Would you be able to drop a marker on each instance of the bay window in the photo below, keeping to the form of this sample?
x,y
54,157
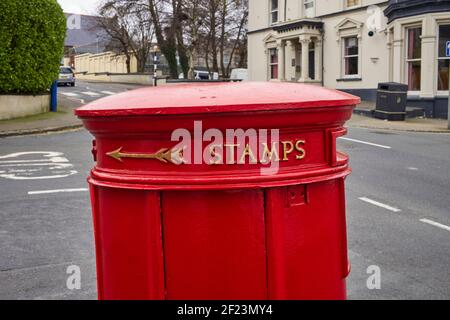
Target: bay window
x,y
414,58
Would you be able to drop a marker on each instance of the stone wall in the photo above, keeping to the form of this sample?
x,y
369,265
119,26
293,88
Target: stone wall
x,y
16,106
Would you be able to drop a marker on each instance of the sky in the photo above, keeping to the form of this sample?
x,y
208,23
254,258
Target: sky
x,y
79,6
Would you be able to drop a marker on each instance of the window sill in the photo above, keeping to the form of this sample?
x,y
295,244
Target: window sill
x,y
349,79
352,7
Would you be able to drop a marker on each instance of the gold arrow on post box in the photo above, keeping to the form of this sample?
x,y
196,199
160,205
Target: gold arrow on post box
x,y
163,155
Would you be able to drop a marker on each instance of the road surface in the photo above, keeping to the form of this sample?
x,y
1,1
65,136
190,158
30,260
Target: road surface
x,y
85,92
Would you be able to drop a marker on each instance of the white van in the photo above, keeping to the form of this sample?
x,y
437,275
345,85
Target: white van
x,y
202,75
239,75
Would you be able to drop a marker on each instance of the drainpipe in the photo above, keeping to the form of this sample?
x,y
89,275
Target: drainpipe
x,y
54,97
323,62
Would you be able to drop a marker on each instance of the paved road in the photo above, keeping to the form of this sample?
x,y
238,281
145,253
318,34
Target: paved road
x,y
401,177
85,92
412,181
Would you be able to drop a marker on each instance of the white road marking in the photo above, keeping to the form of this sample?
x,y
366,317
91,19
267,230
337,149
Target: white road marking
x,y
413,168
57,191
91,94
51,165
367,143
77,100
70,94
55,165
47,154
15,177
108,92
379,204
436,224
34,161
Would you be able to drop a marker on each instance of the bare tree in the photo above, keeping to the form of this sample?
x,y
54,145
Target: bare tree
x,y
226,33
233,22
190,35
129,26
165,32
213,7
184,30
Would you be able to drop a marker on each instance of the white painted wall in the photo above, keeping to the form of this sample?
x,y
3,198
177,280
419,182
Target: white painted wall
x,y
373,50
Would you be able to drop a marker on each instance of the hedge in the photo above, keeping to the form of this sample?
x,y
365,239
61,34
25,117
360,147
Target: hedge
x,y
32,34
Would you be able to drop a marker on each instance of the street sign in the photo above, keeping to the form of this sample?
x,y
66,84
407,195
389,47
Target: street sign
x,y
447,49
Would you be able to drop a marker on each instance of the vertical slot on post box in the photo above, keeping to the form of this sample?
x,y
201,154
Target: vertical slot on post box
x,y
335,159
94,149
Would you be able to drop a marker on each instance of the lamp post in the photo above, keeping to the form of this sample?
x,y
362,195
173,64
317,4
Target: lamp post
x,y
447,53
155,66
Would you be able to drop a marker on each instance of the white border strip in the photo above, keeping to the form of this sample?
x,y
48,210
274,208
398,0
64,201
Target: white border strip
x,y
57,191
436,224
367,143
379,204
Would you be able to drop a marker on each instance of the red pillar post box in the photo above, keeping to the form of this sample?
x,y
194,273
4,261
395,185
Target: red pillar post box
x,y
184,209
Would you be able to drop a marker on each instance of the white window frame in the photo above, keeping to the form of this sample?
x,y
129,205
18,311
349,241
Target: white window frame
x,y
344,57
272,11
407,61
308,2
440,92
346,6
270,64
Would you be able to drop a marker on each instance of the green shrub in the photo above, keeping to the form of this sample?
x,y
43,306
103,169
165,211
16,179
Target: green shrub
x,y
32,34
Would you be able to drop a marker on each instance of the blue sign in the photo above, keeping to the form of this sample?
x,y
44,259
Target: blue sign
x,y
447,49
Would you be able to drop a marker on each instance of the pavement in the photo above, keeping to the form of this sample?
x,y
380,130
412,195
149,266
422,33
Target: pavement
x,y
397,214
70,98
419,124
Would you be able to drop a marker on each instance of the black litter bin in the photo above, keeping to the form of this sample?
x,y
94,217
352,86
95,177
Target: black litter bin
x,y
391,101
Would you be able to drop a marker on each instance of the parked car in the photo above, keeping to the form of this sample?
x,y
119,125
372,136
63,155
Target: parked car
x,y
239,75
66,76
203,75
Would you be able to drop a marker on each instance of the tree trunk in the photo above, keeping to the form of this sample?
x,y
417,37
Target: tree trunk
x,y
128,62
170,54
168,44
213,35
192,58
237,43
222,37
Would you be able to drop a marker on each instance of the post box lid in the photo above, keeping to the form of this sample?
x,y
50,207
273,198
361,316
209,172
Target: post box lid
x,y
216,98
